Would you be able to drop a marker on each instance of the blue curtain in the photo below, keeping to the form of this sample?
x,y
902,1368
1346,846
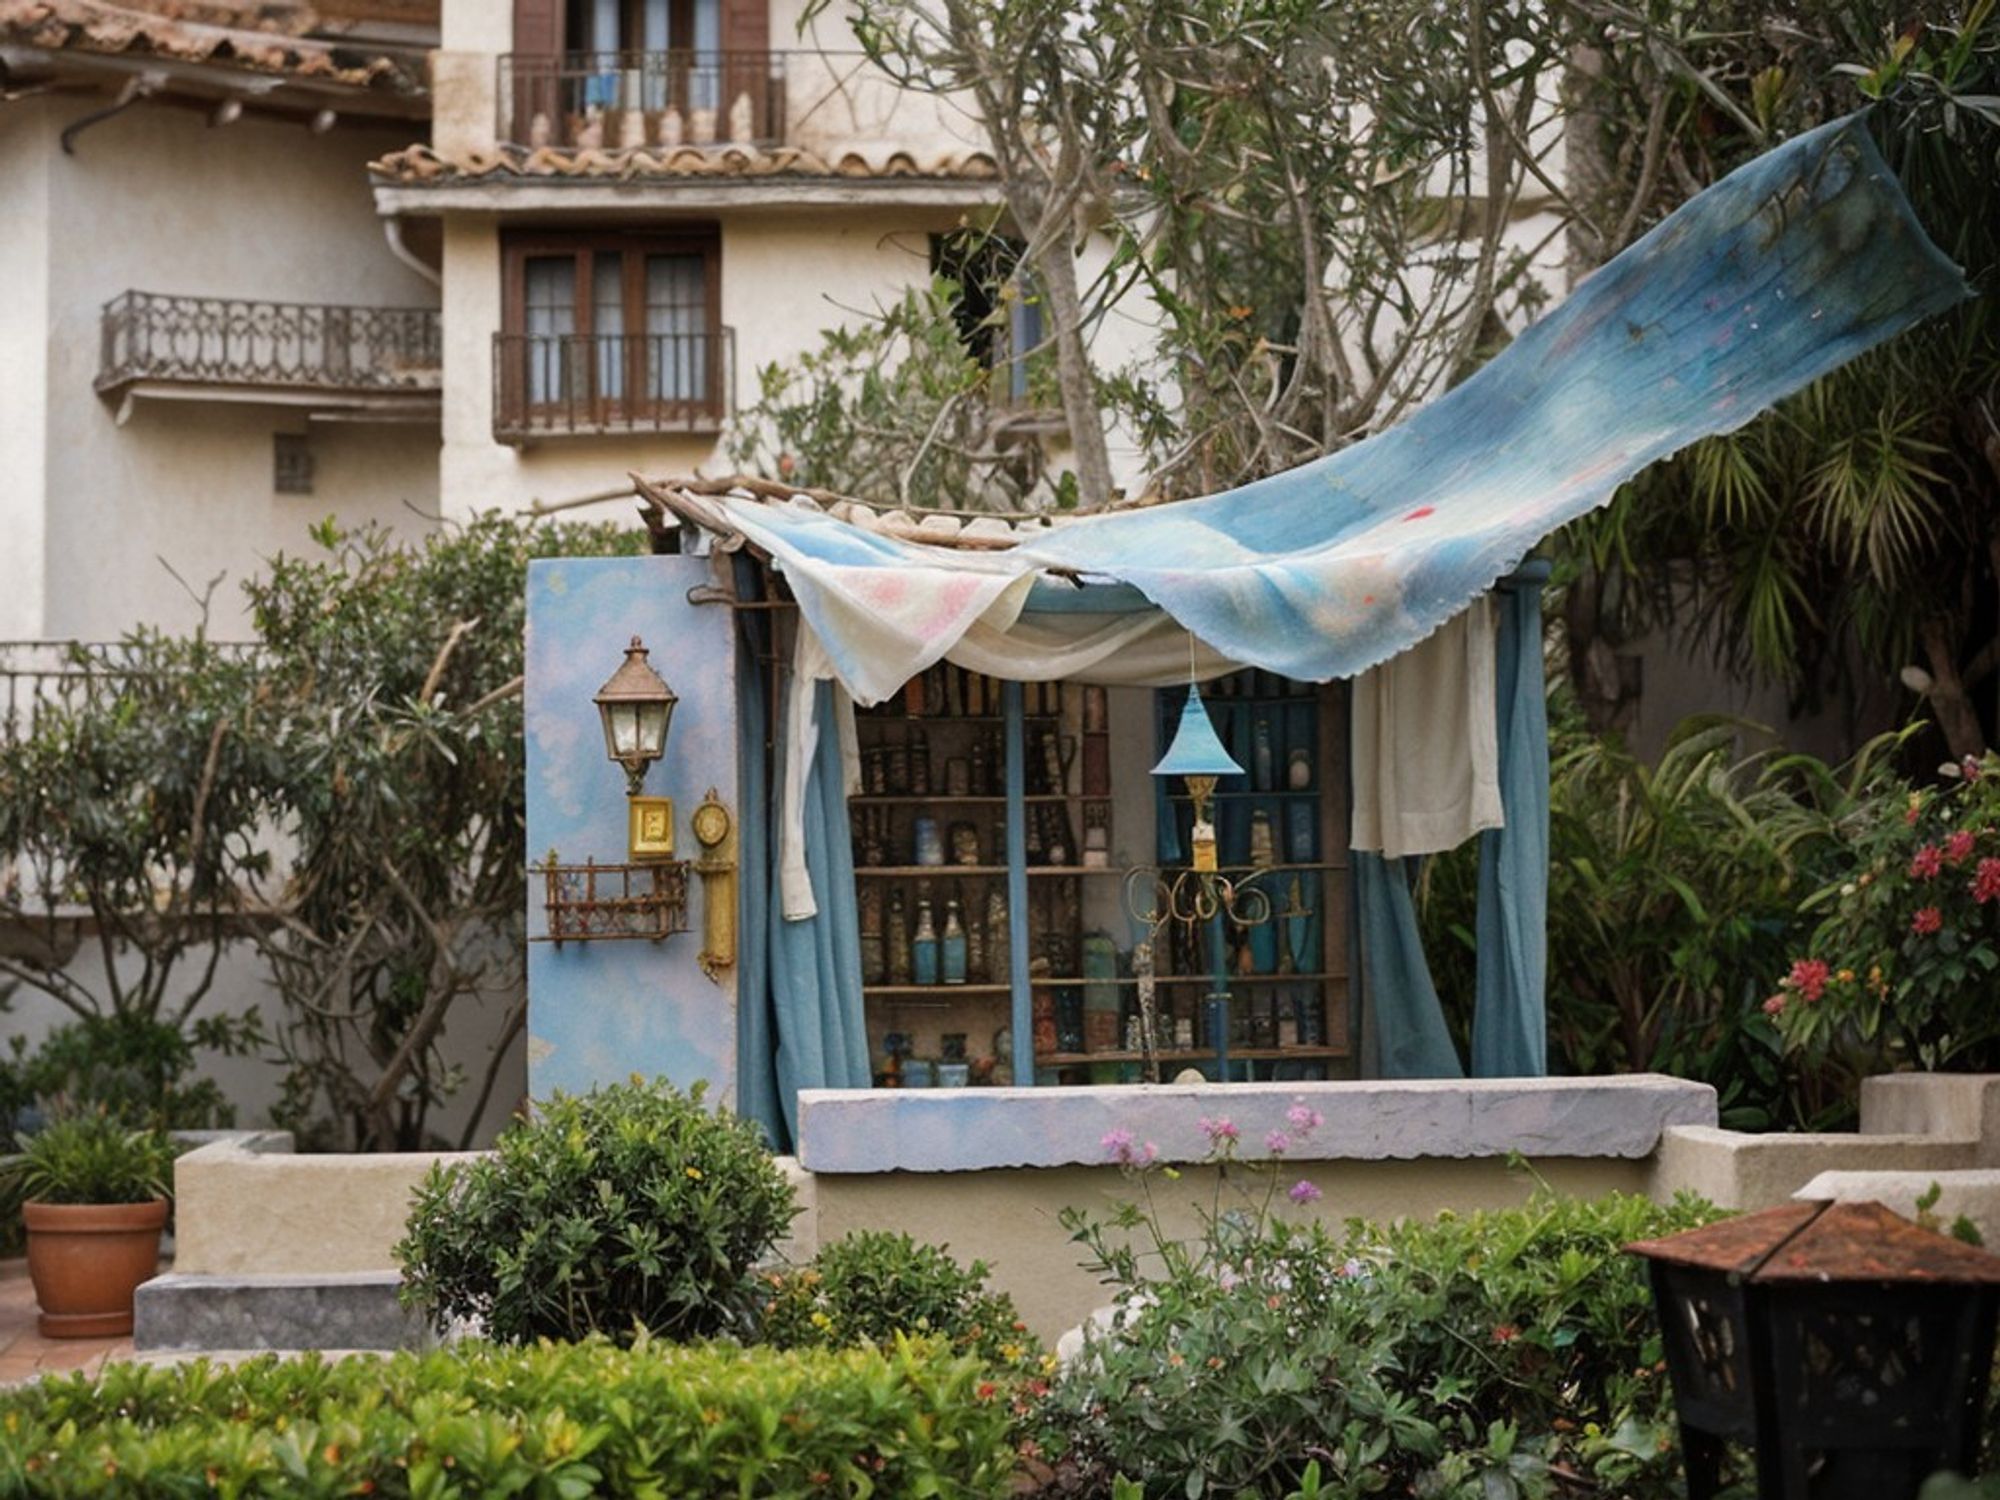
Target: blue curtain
x,y
1405,1022
1510,1030
799,1015
757,861
815,964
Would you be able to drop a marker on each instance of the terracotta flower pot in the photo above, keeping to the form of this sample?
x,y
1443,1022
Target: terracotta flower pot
x,y
87,1259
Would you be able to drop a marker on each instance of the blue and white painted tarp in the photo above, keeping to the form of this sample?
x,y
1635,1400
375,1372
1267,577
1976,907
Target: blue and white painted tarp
x,y
1786,269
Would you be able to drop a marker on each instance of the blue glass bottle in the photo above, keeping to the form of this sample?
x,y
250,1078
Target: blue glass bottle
x,y
924,948
951,948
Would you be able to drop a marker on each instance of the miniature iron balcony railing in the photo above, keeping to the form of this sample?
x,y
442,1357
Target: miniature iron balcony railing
x,y
613,100
228,343
547,385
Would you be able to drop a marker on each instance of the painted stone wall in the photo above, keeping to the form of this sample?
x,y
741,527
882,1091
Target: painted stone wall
x,y
600,1011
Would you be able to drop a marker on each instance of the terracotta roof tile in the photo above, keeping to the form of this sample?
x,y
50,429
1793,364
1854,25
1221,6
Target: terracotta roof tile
x,y
421,165
263,38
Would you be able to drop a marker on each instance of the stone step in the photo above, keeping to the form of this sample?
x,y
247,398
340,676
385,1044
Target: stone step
x,y
333,1310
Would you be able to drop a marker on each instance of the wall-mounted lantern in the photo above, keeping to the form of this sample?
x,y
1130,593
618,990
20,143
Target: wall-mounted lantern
x,y
637,708
1847,1346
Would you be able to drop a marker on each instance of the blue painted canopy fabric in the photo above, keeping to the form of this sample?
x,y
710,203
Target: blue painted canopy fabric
x,y
1786,269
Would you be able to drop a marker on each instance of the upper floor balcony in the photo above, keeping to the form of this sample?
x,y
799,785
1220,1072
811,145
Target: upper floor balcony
x,y
625,100
573,384
382,363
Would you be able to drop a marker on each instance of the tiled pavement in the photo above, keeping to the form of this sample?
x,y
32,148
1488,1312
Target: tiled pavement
x,y
24,1353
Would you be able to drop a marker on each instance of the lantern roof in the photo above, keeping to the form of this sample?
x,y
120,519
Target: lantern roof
x,y
635,681
1820,1242
1196,751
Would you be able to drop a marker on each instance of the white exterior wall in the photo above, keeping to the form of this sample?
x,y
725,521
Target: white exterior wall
x,y
27,144
156,200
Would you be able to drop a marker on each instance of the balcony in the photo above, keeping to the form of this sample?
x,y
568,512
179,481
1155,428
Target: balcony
x,y
613,100
562,385
358,363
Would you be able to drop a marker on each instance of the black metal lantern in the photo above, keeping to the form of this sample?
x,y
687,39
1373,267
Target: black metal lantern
x,y
636,706
1849,1347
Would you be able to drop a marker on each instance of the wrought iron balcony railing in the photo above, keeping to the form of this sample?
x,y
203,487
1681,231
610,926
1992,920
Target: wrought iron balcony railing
x,y
548,385
225,342
583,100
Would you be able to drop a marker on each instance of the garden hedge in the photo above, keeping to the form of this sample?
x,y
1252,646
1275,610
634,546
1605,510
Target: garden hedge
x,y
564,1421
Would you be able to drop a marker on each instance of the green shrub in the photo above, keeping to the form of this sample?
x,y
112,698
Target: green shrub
x,y
137,1069
1466,1356
873,1286
628,1207
554,1420
93,1158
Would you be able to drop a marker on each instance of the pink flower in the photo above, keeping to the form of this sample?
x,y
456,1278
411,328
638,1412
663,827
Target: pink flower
x,y
1219,1130
1277,1143
1303,1192
1927,920
1926,862
1986,881
1958,848
1123,1147
1774,1006
1970,767
1303,1118
1809,977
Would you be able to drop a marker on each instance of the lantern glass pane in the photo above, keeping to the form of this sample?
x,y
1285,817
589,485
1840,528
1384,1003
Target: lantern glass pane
x,y
622,723
651,730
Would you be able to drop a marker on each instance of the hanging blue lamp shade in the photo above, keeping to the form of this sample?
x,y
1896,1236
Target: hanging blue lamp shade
x,y
1196,750
1197,754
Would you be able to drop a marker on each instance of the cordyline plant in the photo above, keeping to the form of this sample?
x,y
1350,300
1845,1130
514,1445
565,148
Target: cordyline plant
x,y
1901,970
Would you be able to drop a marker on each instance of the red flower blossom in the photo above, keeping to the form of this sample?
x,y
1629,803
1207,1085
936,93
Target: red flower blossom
x,y
1958,848
1505,1333
1809,977
1926,862
1986,881
1775,1005
1927,920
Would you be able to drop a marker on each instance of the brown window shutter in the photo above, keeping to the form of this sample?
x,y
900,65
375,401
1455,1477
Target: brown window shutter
x,y
746,25
538,27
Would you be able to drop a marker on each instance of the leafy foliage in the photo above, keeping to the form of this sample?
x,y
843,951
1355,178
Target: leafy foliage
x,y
1469,1356
875,1286
1674,891
560,1420
396,670
374,736
1900,968
136,798
628,1208
90,1157
136,1070
1856,524
896,409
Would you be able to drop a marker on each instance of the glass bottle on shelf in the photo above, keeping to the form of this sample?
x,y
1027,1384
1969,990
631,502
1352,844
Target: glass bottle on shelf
x,y
920,763
951,947
896,939
999,944
924,947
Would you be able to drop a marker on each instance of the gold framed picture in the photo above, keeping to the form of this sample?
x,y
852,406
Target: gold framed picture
x,y
651,834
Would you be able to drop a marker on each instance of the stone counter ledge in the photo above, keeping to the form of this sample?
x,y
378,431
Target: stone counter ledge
x,y
970,1130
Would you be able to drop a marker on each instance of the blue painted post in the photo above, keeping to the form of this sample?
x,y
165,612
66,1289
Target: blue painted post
x,y
1017,885
1218,999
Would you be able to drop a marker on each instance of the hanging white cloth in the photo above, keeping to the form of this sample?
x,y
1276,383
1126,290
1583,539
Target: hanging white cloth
x,y
810,667
1426,754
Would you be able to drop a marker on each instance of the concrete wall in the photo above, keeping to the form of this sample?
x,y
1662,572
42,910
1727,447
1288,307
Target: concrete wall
x,y
27,156
162,202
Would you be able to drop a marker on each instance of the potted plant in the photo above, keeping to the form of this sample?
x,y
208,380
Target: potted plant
x,y
94,1200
